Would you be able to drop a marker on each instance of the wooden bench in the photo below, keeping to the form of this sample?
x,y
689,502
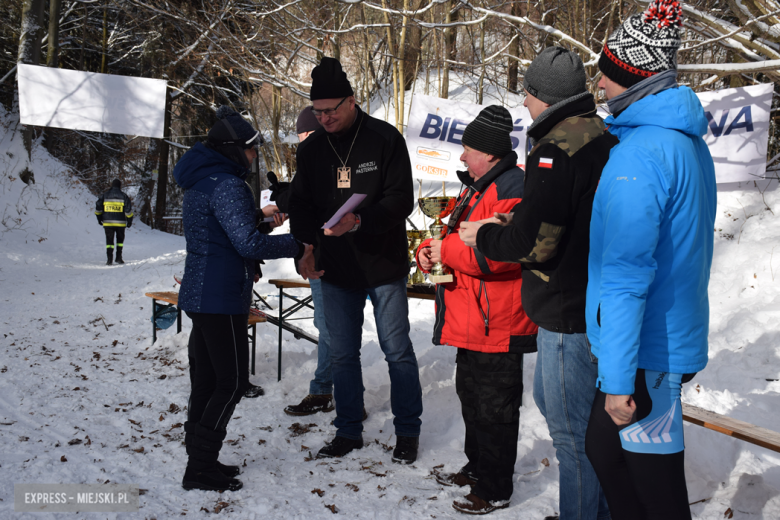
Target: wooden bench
x,y
172,299
282,321
732,427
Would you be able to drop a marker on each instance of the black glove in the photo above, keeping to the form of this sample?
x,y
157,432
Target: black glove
x,y
100,219
279,192
129,222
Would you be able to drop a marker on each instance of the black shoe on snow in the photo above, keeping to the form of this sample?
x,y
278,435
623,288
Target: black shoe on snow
x,y
473,505
311,404
254,391
228,471
209,480
405,451
109,261
339,447
119,260
459,479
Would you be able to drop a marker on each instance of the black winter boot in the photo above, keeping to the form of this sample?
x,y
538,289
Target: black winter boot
x,y
110,255
202,471
119,256
405,451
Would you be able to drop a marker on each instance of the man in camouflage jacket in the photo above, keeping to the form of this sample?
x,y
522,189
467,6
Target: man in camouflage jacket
x,y
548,232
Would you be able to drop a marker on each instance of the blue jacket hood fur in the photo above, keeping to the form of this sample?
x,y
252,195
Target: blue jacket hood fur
x,y
222,242
651,243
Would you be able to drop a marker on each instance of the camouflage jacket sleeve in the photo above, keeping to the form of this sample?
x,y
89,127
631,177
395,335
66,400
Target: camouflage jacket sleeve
x,y
538,223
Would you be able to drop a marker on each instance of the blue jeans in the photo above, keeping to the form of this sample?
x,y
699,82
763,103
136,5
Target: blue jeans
x,y
344,312
322,384
564,390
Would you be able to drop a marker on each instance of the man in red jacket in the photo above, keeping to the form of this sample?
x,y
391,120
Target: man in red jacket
x,y
480,313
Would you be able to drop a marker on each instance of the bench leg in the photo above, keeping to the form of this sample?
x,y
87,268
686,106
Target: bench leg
x,y
178,319
254,344
154,325
281,307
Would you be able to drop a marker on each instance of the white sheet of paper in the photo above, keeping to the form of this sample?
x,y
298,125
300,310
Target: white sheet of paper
x,y
265,198
348,206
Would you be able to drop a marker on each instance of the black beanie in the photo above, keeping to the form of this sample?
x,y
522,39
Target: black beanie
x,y
489,132
233,130
329,81
116,183
555,75
306,121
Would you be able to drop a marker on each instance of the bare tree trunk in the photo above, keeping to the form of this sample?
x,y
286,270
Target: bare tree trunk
x,y
450,49
514,50
481,82
104,59
393,66
161,204
148,177
30,53
53,54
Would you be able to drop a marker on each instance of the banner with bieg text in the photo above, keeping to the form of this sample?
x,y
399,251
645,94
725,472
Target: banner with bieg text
x,y
435,129
738,131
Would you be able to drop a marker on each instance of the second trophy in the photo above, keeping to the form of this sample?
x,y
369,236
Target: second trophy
x,y
438,208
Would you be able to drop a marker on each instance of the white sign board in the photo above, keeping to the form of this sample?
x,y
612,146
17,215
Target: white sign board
x,y
738,131
90,101
434,131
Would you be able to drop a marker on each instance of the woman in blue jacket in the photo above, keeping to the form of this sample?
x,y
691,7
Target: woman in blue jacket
x,y
223,245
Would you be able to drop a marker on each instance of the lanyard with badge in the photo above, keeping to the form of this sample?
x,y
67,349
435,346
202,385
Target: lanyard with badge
x,y
344,173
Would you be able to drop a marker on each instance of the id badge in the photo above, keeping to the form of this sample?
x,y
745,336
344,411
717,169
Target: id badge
x,y
344,177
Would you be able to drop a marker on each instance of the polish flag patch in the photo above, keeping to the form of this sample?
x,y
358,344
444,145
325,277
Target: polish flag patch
x,y
544,162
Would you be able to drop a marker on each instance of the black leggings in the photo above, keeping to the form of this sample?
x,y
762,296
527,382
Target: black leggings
x,y
638,486
219,367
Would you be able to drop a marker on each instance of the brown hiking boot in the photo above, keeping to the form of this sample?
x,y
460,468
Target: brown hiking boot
x,y
454,479
311,404
473,505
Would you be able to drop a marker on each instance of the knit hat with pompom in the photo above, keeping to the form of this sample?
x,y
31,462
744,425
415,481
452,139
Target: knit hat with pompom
x,y
644,45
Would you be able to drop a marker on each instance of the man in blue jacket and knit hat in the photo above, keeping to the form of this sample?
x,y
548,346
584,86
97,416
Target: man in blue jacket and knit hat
x,y
651,241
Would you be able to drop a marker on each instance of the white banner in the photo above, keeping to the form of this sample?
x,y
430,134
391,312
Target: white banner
x,y
434,131
737,135
90,101
738,131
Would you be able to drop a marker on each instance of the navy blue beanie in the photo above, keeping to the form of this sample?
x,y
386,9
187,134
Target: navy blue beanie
x,y
233,130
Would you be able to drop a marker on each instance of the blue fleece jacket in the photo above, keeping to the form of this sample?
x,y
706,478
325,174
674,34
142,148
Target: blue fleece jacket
x,y
651,240
222,241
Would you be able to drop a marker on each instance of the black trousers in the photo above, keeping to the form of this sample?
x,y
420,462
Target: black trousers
x,y
120,236
638,486
490,388
219,367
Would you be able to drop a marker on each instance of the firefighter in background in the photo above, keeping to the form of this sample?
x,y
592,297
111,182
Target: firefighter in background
x,y
114,212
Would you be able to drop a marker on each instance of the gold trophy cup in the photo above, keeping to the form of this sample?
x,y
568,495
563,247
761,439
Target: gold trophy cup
x,y
438,208
414,238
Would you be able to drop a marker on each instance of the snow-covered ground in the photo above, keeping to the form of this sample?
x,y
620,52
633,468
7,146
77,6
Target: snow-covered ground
x,y
87,398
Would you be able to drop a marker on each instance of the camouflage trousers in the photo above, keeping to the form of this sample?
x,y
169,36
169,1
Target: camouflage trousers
x,y
490,388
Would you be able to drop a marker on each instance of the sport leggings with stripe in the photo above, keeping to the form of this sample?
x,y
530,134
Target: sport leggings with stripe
x,y
219,367
641,467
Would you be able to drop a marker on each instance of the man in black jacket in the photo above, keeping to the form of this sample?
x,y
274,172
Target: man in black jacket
x,y
363,254
548,233
114,212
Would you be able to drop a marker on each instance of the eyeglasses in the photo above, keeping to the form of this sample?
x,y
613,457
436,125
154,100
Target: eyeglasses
x,y
327,111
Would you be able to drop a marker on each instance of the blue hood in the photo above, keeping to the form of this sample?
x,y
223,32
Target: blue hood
x,y
675,108
199,162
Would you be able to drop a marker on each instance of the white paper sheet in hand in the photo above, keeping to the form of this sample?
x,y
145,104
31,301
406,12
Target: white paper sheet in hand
x,y
348,206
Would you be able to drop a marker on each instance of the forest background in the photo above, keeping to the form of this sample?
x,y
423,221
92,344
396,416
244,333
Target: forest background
x,y
257,56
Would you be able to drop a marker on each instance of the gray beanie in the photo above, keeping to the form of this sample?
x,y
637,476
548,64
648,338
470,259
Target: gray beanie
x,y
489,132
556,74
